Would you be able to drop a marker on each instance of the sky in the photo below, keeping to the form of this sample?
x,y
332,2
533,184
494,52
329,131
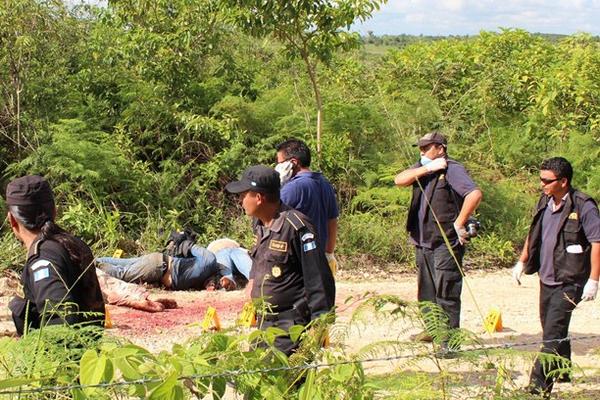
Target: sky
x,y
468,17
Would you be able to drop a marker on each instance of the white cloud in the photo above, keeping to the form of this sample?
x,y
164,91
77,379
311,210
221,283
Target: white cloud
x,y
470,16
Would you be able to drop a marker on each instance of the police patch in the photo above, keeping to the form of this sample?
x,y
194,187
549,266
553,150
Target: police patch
x,y
276,271
307,236
309,246
39,264
40,274
278,245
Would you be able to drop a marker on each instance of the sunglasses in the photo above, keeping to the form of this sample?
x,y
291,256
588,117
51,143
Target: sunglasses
x,y
549,181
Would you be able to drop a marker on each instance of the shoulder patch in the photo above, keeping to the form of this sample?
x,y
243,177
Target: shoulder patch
x,y
307,236
309,246
41,273
39,264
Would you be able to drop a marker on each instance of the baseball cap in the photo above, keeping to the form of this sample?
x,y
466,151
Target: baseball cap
x,y
257,178
431,137
29,190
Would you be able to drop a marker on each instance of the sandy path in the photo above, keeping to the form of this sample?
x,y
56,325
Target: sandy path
x,y
518,305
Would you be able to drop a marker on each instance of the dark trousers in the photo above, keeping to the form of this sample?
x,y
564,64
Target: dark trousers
x,y
556,306
439,279
285,321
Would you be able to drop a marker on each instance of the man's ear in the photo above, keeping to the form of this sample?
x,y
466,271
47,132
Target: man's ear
x,y
12,221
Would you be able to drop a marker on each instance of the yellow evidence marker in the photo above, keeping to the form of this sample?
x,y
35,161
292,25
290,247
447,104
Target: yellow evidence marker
x,y
211,320
118,253
493,321
248,316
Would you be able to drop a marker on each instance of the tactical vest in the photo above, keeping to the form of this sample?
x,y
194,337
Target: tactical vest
x,y
444,202
569,267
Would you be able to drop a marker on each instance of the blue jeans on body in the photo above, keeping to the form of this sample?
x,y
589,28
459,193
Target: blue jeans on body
x,y
234,260
148,268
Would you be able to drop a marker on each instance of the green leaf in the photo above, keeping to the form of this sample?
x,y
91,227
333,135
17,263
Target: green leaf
x,y
295,332
92,368
12,382
165,390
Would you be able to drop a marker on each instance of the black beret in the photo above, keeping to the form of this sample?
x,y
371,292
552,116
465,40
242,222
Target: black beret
x,y
29,190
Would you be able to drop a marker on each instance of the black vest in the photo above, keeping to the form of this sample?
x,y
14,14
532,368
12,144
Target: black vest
x,y
444,202
568,267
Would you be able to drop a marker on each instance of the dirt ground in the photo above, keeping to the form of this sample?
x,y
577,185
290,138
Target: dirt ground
x,y
517,304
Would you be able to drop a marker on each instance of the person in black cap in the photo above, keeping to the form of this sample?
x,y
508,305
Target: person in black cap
x,y
442,192
59,279
289,270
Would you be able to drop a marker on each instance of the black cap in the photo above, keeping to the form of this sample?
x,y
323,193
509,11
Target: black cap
x,y
432,137
29,190
257,178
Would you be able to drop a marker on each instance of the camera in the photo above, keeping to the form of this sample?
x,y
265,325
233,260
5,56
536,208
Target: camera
x,y
472,227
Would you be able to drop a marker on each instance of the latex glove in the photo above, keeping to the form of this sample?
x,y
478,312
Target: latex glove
x,y
285,170
332,262
517,271
461,232
437,165
590,290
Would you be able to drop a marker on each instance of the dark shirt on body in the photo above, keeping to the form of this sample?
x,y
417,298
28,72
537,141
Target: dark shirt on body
x,y
457,176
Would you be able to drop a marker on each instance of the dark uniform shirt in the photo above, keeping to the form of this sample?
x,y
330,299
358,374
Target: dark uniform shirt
x,y
289,266
590,222
54,291
458,178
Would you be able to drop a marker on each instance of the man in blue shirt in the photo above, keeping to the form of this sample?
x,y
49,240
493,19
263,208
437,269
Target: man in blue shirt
x,y
308,192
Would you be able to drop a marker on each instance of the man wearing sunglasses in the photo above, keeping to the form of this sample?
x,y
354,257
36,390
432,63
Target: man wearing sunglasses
x,y
444,197
563,247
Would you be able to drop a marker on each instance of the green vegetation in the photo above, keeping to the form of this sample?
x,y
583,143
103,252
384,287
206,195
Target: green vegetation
x,y
140,112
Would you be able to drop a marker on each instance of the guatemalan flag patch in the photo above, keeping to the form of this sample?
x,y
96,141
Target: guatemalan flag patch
x,y
309,246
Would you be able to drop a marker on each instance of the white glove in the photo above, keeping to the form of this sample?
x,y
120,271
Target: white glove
x,y
461,232
332,262
517,271
590,290
285,170
437,165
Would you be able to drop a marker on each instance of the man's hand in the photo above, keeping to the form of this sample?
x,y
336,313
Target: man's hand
x,y
227,284
461,232
590,290
332,262
437,165
517,271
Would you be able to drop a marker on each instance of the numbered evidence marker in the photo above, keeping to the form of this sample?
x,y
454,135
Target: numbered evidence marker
x,y
118,253
211,320
248,316
493,321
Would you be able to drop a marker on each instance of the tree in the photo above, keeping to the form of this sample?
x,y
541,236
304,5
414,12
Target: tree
x,y
311,30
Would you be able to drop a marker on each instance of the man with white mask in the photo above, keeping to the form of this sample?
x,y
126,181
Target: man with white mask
x,y
308,192
444,197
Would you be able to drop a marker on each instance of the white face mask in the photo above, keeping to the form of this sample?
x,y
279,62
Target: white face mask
x,y
285,170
